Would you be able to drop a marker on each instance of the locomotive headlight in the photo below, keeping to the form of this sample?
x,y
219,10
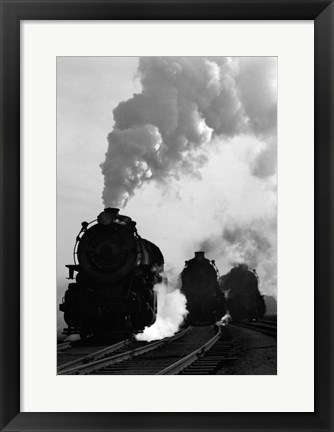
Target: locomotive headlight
x,y
105,218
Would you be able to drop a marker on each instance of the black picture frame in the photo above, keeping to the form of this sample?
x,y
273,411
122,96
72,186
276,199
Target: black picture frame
x,y
12,12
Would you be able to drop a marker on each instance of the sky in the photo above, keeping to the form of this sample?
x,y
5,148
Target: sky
x,y
185,146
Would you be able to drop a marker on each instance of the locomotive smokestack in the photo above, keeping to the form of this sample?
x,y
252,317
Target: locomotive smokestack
x,y
112,210
200,256
107,216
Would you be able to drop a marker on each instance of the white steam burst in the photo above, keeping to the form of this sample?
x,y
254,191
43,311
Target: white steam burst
x,y
171,313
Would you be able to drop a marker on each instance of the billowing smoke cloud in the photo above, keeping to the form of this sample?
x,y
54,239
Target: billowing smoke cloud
x,y
185,102
171,313
253,244
246,245
264,164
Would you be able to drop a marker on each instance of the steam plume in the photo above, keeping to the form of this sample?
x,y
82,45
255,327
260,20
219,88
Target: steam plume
x,y
185,102
254,245
171,312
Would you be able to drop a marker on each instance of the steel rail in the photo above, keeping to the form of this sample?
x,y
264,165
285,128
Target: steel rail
x,y
268,329
181,364
118,358
92,356
62,346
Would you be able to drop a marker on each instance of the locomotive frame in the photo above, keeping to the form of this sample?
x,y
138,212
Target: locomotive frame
x,y
12,12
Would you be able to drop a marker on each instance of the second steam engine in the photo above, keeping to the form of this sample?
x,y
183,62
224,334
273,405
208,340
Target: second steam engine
x,y
205,302
115,271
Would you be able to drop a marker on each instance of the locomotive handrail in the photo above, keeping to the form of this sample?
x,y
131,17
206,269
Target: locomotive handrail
x,y
91,367
175,368
78,239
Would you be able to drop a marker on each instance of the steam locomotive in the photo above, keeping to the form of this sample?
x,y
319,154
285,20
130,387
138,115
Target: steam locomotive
x,y
243,298
199,283
116,271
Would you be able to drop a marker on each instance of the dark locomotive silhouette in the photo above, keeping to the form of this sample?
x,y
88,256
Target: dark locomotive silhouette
x,y
243,298
199,283
116,273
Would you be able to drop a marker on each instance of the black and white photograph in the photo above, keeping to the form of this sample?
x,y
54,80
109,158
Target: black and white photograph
x,y
167,215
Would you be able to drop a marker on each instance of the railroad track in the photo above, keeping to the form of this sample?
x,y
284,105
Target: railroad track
x,y
207,359
95,355
196,350
264,326
109,359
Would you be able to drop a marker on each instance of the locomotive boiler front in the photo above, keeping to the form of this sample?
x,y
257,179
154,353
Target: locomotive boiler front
x,y
108,250
116,271
205,302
